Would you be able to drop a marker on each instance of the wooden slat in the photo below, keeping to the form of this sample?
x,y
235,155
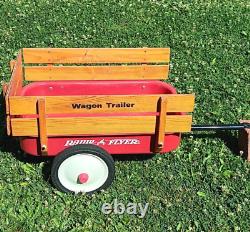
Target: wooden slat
x,y
100,125
96,55
135,72
63,104
42,128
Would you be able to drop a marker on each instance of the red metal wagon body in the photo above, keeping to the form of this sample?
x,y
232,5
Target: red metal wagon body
x,y
114,144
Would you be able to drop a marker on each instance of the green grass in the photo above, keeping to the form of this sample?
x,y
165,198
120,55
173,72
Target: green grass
x,y
202,186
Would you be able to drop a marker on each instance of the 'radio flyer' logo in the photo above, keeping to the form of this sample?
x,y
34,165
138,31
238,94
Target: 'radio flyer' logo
x,y
103,142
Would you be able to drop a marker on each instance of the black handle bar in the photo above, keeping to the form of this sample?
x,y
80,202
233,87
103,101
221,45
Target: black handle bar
x,y
239,126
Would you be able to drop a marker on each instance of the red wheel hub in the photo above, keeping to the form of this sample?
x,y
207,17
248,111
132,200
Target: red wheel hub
x,y
83,178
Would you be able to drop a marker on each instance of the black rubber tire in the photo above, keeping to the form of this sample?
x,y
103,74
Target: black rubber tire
x,y
90,149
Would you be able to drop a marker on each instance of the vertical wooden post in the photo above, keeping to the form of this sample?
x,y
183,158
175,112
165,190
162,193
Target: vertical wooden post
x,y
161,125
42,129
144,64
12,64
8,126
4,88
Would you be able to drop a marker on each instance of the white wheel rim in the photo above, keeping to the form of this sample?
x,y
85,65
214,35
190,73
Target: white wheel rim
x,y
95,168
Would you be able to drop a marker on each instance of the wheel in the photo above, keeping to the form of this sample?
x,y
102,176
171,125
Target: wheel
x,y
82,168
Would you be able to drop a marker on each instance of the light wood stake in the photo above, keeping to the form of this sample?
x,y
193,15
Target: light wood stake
x,y
161,125
42,126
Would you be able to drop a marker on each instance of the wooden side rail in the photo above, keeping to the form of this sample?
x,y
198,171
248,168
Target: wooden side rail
x,y
63,119
102,63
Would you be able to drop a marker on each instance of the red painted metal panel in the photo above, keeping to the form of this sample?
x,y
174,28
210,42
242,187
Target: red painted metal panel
x,y
126,144
141,144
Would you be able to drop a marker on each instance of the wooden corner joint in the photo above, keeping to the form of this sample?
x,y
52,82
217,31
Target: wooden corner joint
x,y
161,125
42,128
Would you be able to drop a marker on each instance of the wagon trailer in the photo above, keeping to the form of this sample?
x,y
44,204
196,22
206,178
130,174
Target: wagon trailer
x,y
82,105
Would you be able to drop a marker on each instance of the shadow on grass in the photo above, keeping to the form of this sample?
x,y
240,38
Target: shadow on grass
x,y
133,157
11,145
229,138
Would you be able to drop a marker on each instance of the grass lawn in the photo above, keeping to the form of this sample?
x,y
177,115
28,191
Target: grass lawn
x,y
202,186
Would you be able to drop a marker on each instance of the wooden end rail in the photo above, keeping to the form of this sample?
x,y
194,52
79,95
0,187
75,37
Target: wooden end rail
x,y
14,87
81,104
